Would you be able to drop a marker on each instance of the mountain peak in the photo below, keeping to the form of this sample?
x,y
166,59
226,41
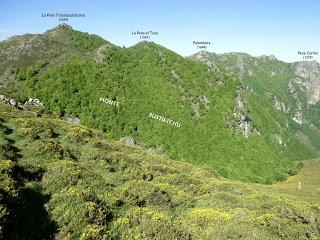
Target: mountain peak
x,y
62,26
58,29
143,43
268,57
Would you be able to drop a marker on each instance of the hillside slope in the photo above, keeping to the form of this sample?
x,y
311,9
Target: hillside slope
x,y
292,88
66,181
42,49
152,95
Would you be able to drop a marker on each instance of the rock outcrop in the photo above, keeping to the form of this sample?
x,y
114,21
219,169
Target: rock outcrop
x,y
34,101
11,101
280,105
241,121
128,140
195,108
71,119
205,101
8,100
100,54
307,77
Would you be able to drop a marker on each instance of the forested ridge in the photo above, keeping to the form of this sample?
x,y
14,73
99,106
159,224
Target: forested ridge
x,y
147,78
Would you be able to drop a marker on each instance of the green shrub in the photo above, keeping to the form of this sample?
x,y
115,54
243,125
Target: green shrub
x,y
79,134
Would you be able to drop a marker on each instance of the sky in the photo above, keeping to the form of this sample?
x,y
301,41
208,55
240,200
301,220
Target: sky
x,y
258,27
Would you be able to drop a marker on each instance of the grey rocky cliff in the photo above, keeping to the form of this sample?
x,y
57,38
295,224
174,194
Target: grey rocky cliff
x,y
293,89
240,66
280,105
306,81
195,104
241,121
100,54
307,77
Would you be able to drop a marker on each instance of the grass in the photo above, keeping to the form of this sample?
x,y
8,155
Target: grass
x,y
88,186
308,176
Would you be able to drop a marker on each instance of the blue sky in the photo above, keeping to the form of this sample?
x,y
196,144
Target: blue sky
x,y
278,27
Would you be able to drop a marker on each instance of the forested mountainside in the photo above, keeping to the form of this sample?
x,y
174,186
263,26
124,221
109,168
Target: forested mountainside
x,y
292,88
151,95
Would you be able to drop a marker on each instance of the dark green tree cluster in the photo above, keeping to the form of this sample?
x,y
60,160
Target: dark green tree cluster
x,y
85,41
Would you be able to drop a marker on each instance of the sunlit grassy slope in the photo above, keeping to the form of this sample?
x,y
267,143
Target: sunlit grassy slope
x,y
64,181
309,178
